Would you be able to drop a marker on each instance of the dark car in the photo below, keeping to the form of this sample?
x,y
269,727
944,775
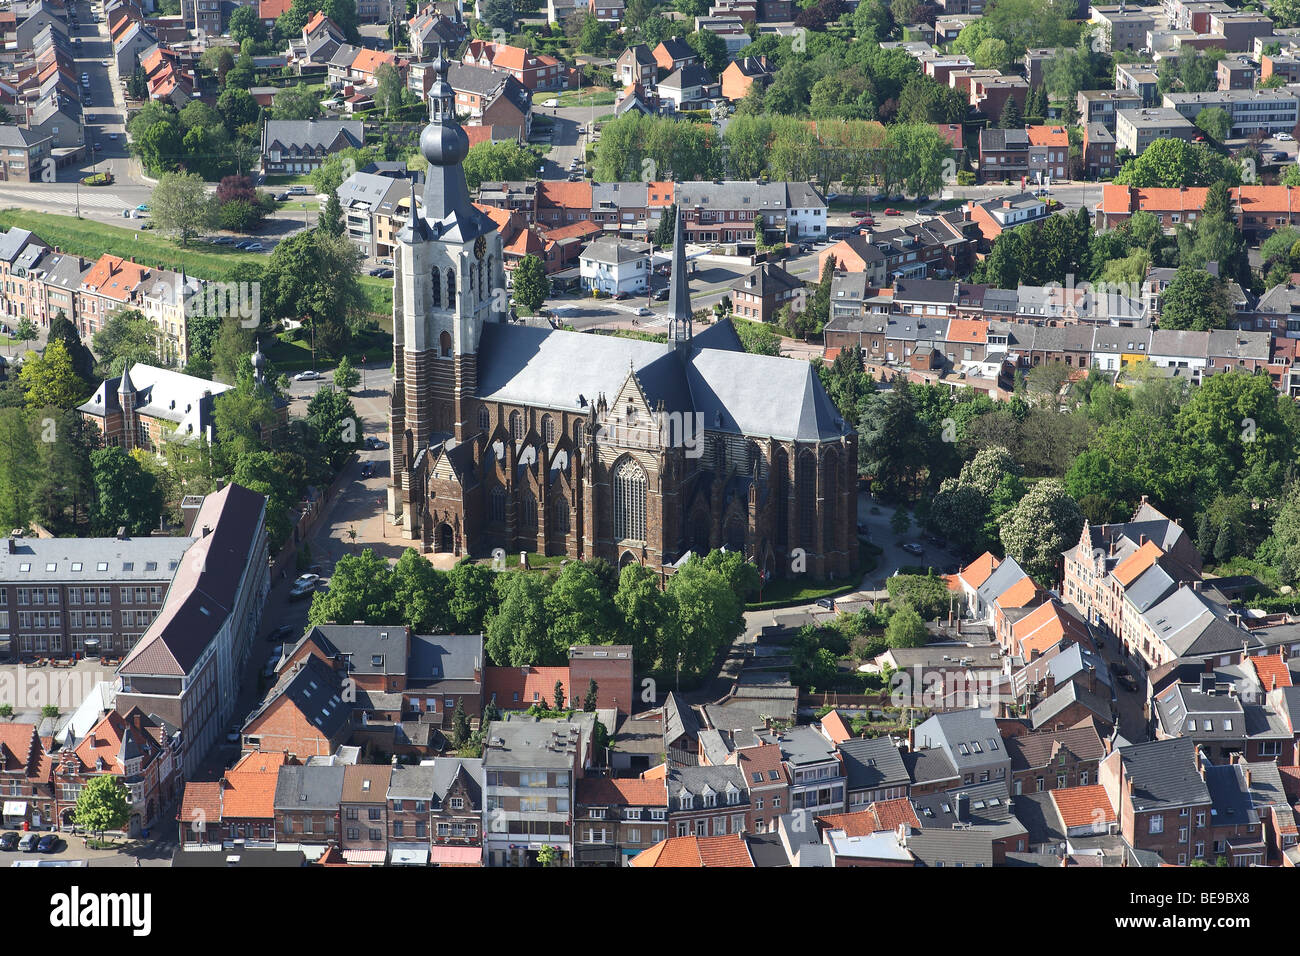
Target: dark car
x,y
49,843
281,633
620,296
367,470
9,842
1127,680
661,295
826,603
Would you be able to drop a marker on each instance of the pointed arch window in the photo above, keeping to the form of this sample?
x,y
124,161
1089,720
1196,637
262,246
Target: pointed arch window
x,y
451,288
629,501
528,511
484,420
516,426
577,433
444,344
497,504
548,429
435,295
560,514
806,489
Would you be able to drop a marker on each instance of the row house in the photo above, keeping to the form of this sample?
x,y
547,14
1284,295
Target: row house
x,y
762,293
618,818
1058,760
363,812
706,800
307,800
813,768
1259,210
1139,78
26,778
435,812
1099,161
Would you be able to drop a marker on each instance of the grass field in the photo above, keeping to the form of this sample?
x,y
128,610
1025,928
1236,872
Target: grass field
x,y
90,240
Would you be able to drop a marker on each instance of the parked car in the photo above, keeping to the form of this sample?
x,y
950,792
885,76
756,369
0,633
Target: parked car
x,y
826,603
367,469
551,103
304,585
374,443
868,221
384,273
282,633
49,843
9,841
281,197
1118,667
880,197
620,296
892,212
253,247
1284,137
1127,680
28,842
913,548
112,136
661,295
307,376
858,213
297,190
143,207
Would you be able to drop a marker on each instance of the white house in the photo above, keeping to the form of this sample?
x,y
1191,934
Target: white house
x,y
613,266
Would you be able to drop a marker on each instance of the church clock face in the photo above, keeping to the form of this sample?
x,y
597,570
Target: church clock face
x,y
480,247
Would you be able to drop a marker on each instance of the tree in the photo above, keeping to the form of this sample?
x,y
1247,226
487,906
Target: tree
x,y
179,205
707,612
315,277
559,695
83,360
125,494
420,592
1173,163
1281,549
346,378
532,285
517,630
360,590
711,48
331,219
388,87
472,595
647,615
992,54
493,162
589,702
295,103
1214,122
103,804
126,339
578,608
666,227
905,628
459,724
333,420
246,24
548,855
1011,118
237,106
1040,527
49,380
19,468
1195,300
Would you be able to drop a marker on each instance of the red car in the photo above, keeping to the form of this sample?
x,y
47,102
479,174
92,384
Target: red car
x,y
858,213
892,212
867,221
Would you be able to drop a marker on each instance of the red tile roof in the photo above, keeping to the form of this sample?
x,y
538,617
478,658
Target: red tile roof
x,y
1046,626
693,851
1272,671
201,803
1048,136
978,571
834,728
1083,806
1020,594
622,792
564,195
1128,570
18,746
874,818
273,9
250,786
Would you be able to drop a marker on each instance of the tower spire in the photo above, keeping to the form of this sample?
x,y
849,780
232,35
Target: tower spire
x,y
679,298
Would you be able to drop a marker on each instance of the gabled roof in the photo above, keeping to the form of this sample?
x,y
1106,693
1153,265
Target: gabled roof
x,y
1272,671
872,762
693,851
1083,806
249,786
1164,774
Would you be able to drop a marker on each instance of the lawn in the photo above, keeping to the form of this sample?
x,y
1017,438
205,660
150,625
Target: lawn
x,y
90,240
289,355
569,98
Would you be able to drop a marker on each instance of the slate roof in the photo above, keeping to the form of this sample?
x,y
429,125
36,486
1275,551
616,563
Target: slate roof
x,y
1230,796
316,690
309,788
1073,692
873,762
935,847
1164,774
1032,751
970,738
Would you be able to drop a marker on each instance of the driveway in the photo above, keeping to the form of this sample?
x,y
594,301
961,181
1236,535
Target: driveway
x,y
894,557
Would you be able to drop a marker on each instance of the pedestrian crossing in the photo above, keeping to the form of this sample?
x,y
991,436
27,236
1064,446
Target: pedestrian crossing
x,y
38,196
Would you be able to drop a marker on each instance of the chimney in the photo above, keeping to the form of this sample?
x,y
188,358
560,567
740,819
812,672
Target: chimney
x,y
963,807
207,530
1049,684
1197,585
1142,539
1092,679
911,740
13,547
1200,763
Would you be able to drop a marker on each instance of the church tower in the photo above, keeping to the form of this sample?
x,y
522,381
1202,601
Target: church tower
x,y
679,298
126,398
450,281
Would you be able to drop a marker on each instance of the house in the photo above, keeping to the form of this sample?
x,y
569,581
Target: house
x,y
817,781
307,799
984,808
25,777
24,154
1098,151
142,751
548,757
1159,795
1049,153
410,796
291,147
617,818
433,35
535,71
490,97
706,800
994,216
762,293
742,73
1104,106
616,266
1004,154
673,54
1054,760
696,851
363,809
874,771
768,782
304,715
147,407
689,87
972,744
1135,130
456,812
244,807
1123,29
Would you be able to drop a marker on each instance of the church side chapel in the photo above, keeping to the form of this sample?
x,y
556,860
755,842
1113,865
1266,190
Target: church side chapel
x,y
551,442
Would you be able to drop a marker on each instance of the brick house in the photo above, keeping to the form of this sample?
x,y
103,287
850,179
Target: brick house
x,y
707,801
25,777
762,293
1054,760
363,807
304,715
617,818
768,783
307,800
456,811
410,799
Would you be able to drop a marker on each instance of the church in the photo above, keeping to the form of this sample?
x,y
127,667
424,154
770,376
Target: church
x,y
512,437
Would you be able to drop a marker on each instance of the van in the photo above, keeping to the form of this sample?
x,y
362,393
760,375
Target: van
x,y
297,190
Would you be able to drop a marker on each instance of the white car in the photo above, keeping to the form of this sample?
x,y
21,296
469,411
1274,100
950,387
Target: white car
x,y
1284,137
643,311
307,376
